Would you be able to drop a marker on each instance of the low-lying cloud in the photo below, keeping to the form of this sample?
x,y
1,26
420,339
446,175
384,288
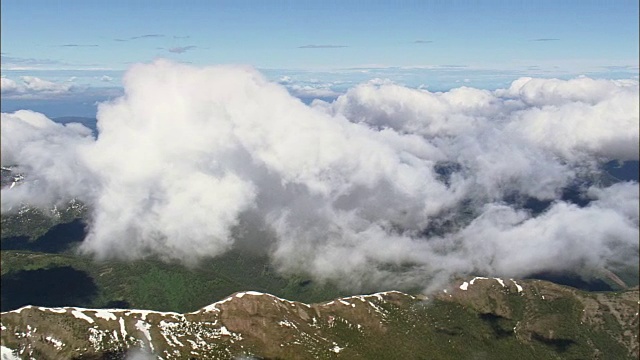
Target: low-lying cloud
x,y
386,185
33,87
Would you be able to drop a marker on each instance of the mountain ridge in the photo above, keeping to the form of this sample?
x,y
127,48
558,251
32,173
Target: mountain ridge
x,y
491,316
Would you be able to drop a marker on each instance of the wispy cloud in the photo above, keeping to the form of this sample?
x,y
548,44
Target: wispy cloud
x,y
620,67
181,49
146,36
78,45
434,67
423,41
312,46
545,39
12,61
20,63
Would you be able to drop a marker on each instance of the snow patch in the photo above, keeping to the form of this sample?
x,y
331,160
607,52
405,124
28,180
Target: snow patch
x,y
122,329
55,310
107,315
476,278
8,354
254,293
286,323
499,280
464,286
17,311
144,328
56,343
517,286
224,331
96,338
81,315
214,306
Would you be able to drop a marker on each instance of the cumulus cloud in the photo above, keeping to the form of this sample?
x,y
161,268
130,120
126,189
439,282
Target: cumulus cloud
x,y
27,138
385,185
33,87
285,80
312,88
309,91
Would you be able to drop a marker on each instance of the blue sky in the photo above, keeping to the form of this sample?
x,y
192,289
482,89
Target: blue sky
x,y
435,44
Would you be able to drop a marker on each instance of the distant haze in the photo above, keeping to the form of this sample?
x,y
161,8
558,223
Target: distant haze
x,y
384,185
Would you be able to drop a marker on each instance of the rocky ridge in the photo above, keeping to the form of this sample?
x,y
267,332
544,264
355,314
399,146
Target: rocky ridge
x,y
491,317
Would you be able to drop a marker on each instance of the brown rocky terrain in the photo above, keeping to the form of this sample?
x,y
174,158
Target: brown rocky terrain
x,y
476,318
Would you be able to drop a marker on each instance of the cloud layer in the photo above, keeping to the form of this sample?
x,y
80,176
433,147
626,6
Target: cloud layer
x,y
33,87
385,185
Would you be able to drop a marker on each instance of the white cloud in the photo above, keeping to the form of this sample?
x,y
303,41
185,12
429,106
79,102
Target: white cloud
x,y
285,80
8,85
47,151
317,91
193,161
511,243
34,87
311,88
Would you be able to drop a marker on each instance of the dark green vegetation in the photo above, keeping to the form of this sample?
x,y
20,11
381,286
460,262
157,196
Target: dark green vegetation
x,y
40,249
145,284
32,224
58,239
